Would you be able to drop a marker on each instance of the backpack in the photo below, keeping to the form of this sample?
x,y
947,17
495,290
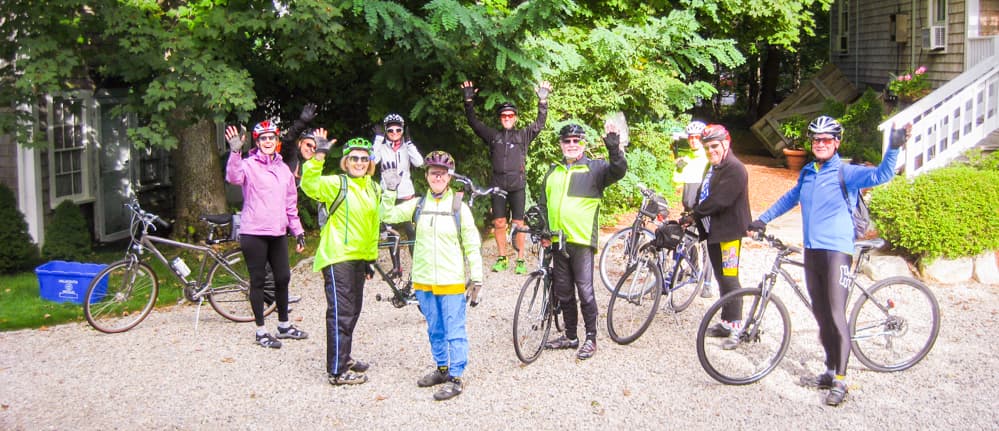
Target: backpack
x,y
860,214
455,214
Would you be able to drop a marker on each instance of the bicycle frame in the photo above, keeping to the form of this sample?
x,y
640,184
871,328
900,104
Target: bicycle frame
x,y
391,240
200,283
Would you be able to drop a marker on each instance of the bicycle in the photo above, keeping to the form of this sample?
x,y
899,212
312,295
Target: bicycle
x,y
390,242
537,308
635,299
893,324
123,294
622,247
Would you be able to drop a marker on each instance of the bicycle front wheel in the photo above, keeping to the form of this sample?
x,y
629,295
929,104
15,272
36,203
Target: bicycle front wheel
x,y
229,288
685,280
618,253
635,300
120,296
895,324
532,318
763,341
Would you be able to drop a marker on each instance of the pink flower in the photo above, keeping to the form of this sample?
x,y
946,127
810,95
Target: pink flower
x,y
907,77
921,70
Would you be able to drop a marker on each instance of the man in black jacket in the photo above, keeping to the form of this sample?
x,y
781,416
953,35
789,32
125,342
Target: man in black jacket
x,y
508,153
722,216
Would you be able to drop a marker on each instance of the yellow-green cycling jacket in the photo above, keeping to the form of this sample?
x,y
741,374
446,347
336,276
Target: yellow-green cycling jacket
x,y
350,233
571,195
438,264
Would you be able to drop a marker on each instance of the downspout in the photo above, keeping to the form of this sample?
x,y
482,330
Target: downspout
x,y
912,36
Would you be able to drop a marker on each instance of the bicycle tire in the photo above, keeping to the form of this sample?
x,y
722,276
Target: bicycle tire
x,y
635,301
898,324
614,256
120,296
229,291
685,280
532,319
759,350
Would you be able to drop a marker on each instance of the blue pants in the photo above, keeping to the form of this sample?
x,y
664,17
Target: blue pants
x,y
445,316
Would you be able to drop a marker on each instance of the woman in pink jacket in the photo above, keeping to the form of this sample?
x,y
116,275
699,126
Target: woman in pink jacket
x,y
270,208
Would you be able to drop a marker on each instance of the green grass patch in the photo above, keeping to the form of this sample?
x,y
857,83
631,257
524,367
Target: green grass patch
x,y
22,307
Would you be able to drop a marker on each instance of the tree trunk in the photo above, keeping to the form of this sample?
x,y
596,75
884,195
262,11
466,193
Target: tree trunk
x,y
198,182
769,79
753,87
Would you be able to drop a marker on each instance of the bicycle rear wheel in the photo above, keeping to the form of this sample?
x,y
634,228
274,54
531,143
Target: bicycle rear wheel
x,y
896,326
766,333
685,280
614,257
120,296
532,319
635,300
229,291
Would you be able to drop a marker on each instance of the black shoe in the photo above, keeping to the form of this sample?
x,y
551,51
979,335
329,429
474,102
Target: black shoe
x,y
450,390
435,378
357,366
562,343
837,394
268,340
719,330
820,381
291,332
348,378
587,350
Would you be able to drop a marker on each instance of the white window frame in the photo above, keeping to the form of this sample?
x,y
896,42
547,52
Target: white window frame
x,y
932,17
842,28
82,119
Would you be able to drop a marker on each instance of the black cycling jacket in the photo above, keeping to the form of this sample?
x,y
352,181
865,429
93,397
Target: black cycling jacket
x,y
507,148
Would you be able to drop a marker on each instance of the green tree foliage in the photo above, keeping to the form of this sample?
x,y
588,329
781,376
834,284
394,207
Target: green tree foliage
x,y
67,235
936,215
18,251
861,138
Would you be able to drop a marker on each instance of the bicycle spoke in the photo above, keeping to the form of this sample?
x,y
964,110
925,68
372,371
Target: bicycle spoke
x,y
764,338
531,319
618,254
635,300
120,296
896,326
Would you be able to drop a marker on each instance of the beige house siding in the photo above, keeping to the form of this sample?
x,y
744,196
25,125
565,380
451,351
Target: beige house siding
x,y
873,57
8,162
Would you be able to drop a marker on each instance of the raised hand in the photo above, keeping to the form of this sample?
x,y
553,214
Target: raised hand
x,y
468,90
543,90
390,175
234,138
308,112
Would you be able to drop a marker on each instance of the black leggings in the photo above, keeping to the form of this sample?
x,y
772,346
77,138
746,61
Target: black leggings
x,y
825,278
259,250
576,271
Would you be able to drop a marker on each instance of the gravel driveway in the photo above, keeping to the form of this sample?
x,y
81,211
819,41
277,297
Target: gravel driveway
x,y
165,375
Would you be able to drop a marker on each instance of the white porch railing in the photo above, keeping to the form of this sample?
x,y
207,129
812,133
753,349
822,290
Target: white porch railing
x,y
951,119
976,49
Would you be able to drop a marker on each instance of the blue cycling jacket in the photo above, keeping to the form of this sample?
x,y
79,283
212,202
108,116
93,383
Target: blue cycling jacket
x,y
826,219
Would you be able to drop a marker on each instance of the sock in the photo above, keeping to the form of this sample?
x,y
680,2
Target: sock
x,y
284,325
261,330
841,377
442,369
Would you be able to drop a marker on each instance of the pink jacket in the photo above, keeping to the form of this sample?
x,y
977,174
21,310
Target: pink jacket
x,y
270,198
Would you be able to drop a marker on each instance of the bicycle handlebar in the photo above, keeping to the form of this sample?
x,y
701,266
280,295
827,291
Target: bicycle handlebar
x,y
776,242
147,218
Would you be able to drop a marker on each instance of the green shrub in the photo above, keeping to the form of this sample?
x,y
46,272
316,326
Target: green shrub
x,y
19,251
949,212
67,236
861,138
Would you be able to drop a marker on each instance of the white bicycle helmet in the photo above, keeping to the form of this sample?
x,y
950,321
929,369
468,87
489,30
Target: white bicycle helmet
x,y
695,128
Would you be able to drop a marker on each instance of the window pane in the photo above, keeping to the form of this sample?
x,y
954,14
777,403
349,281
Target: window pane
x,y
64,185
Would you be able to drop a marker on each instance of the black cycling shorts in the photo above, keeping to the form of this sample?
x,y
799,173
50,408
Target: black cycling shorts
x,y
515,198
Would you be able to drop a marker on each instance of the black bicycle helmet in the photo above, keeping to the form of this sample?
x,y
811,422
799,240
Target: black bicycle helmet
x,y
572,130
825,124
506,107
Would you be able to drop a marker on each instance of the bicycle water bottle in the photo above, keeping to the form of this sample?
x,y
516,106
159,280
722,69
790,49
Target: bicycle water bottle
x,y
181,267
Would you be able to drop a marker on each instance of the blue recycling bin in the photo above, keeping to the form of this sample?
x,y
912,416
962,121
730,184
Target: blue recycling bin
x,y
63,281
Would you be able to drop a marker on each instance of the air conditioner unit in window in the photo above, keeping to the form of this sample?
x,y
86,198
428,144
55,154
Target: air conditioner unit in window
x,y
935,37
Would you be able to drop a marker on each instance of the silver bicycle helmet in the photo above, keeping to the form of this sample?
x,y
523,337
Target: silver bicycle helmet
x,y
394,119
825,124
